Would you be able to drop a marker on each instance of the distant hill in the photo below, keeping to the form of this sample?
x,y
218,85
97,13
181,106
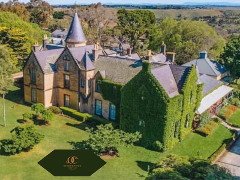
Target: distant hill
x,y
211,3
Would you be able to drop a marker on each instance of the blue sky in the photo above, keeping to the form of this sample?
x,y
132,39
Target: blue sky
x,y
130,1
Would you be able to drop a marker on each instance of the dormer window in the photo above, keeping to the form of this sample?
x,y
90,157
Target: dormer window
x,y
33,76
66,66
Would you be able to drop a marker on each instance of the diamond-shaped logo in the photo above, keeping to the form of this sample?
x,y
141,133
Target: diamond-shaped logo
x,y
72,163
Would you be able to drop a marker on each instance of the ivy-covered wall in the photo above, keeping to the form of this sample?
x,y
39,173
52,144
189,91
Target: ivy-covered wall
x,y
191,92
144,107
111,92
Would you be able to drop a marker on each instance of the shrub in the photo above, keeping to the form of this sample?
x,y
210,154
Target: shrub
x,y
67,111
23,139
227,111
235,102
47,116
106,140
55,110
92,119
38,108
157,146
207,129
27,115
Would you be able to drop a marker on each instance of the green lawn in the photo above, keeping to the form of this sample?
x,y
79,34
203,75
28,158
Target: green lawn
x,y
205,145
235,118
132,163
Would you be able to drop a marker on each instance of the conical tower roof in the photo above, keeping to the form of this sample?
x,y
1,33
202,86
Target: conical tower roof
x,y
75,33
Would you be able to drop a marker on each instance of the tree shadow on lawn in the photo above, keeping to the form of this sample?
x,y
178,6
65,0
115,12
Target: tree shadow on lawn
x,y
16,96
145,166
81,126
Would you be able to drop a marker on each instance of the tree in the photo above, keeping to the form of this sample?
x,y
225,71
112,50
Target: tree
x,y
135,23
184,168
18,37
41,11
231,56
41,113
24,138
106,140
186,38
6,79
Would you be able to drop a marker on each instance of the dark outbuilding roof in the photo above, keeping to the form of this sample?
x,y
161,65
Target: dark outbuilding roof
x,y
75,33
209,84
207,66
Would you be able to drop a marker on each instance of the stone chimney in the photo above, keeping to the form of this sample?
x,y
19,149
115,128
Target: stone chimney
x,y
163,48
149,55
36,47
203,55
45,41
129,52
95,51
171,57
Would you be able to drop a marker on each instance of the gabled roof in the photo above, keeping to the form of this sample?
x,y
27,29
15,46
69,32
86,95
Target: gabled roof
x,y
86,63
47,59
165,77
75,33
207,66
180,74
161,58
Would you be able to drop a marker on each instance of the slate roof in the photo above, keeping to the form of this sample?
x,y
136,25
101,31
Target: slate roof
x,y
207,66
117,69
180,74
161,58
75,33
60,32
79,52
86,62
209,84
165,77
47,59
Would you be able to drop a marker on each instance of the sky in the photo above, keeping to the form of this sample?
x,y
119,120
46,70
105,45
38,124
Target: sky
x,y
129,1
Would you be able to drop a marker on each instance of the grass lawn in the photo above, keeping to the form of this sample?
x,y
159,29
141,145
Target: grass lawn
x,y
132,163
205,145
235,118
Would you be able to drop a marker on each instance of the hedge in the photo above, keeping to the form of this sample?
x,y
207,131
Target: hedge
x,y
208,128
94,120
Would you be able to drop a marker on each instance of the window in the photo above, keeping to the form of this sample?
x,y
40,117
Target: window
x,y
141,123
192,98
66,81
33,76
112,111
97,87
98,107
82,83
34,95
66,66
89,83
187,121
66,100
176,132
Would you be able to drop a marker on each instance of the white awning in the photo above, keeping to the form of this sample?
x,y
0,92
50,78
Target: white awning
x,y
213,98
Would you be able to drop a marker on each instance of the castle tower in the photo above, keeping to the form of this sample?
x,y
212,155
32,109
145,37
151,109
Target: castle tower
x,y
75,36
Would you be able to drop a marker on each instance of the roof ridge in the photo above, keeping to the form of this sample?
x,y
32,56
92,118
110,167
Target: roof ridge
x,y
210,64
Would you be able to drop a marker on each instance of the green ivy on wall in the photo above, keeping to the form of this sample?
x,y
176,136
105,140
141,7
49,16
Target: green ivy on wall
x,y
112,92
146,107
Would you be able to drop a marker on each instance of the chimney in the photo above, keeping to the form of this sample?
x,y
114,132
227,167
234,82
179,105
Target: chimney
x,y
95,52
171,57
45,41
129,51
203,55
36,47
149,55
163,48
